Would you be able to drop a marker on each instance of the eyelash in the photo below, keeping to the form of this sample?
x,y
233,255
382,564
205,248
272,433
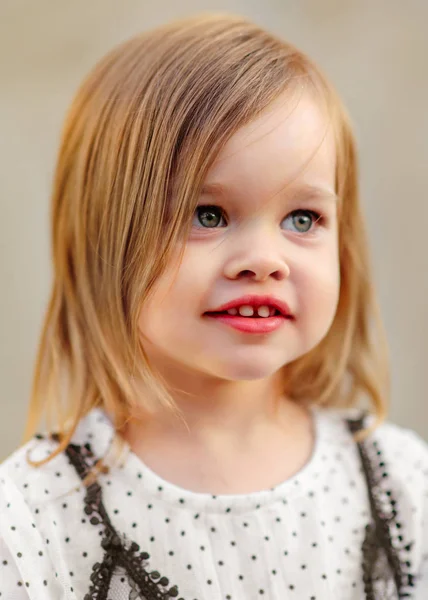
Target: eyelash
x,y
318,219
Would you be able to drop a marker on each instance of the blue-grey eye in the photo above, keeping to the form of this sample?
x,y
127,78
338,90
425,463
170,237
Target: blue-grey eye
x,y
208,216
303,220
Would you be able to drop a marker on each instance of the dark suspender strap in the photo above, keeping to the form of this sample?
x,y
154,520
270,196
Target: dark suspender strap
x,y
118,551
385,572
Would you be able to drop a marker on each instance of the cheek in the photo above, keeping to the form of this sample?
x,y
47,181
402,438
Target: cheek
x,y
176,294
196,276
319,287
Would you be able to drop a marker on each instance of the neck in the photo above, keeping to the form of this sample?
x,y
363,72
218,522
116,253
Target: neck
x,y
221,410
228,439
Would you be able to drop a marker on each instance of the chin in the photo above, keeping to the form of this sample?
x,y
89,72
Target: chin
x,y
249,370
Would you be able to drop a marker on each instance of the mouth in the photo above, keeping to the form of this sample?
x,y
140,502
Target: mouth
x,y
263,312
252,313
252,305
250,321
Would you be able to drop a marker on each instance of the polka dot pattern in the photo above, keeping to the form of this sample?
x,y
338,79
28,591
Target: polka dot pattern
x,y
301,539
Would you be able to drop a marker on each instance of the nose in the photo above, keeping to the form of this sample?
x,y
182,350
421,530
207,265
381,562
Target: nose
x,y
257,260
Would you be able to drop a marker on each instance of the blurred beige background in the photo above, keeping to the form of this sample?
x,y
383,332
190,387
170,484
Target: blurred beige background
x,y
374,52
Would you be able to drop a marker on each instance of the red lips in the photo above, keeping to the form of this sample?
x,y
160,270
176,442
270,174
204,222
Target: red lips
x,y
255,302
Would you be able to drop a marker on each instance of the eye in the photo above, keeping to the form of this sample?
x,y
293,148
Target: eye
x,y
303,220
213,217
208,216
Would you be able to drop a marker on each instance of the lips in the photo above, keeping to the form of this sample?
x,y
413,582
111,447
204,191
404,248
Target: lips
x,y
255,302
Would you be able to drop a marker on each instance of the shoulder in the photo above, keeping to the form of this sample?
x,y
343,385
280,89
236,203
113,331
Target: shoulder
x,y
41,484
41,505
397,454
394,460
399,442
400,450
19,475
399,462
402,455
393,463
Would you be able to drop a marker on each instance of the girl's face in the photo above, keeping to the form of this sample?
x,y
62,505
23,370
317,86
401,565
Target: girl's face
x,y
266,224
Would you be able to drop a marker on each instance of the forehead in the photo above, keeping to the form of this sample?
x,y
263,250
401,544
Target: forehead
x,y
291,142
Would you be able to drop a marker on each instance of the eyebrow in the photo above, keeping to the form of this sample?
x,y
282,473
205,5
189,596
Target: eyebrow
x,y
307,190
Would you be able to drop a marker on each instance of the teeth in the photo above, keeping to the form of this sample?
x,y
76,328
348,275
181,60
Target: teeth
x,y
263,311
246,310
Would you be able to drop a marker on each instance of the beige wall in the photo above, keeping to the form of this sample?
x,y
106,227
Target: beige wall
x,y
376,54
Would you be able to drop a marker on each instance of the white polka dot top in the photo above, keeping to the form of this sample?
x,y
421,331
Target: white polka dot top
x,y
351,525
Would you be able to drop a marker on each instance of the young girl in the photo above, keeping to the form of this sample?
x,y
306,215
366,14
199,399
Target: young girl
x,y
211,365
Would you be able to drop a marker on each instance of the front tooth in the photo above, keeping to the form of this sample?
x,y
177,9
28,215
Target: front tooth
x,y
232,311
263,311
246,311
272,312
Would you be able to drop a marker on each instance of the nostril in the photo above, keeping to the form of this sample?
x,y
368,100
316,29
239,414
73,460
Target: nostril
x,y
247,273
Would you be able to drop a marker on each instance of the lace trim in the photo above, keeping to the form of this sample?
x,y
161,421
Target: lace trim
x,y
385,563
119,552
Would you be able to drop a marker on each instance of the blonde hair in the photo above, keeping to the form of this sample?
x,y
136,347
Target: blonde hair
x,y
150,118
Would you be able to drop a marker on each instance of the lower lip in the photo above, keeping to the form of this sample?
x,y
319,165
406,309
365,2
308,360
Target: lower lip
x,y
251,324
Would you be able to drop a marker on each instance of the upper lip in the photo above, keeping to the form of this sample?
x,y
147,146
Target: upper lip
x,y
255,302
